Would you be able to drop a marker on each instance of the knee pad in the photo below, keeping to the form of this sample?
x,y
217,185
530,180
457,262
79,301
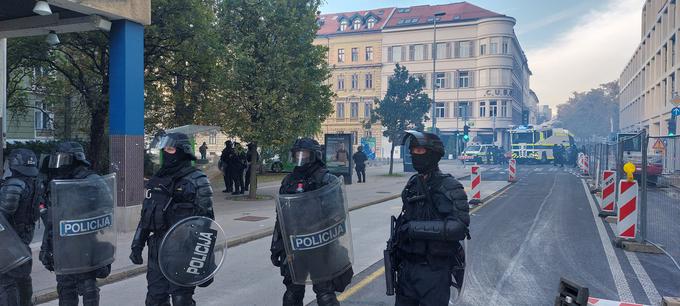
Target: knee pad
x,y
183,300
327,299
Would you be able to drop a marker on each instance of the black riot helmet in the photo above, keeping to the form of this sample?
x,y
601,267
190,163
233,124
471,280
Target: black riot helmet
x,y
179,141
23,161
67,153
305,151
360,148
422,139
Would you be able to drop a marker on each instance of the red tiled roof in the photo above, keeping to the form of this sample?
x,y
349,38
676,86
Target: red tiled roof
x,y
330,23
416,15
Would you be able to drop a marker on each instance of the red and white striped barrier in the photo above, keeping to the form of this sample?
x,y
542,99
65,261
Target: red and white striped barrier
x,y
601,302
628,204
512,170
608,190
586,165
476,181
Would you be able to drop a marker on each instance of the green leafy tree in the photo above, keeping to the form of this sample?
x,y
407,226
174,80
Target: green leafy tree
x,y
274,82
591,113
404,106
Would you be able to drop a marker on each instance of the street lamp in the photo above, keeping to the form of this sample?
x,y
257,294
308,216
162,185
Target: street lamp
x,y
434,69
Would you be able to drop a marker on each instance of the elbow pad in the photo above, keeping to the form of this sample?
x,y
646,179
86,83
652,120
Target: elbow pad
x,y
448,230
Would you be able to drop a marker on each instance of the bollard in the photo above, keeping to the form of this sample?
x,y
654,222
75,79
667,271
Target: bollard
x,y
628,205
476,181
608,197
512,170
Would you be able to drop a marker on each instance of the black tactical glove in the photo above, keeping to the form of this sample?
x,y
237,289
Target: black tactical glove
x,y
103,272
136,256
47,260
278,258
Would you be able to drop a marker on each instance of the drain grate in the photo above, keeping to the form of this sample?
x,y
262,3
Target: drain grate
x,y
251,218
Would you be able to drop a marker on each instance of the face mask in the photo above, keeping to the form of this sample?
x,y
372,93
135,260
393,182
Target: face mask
x,y
170,160
424,163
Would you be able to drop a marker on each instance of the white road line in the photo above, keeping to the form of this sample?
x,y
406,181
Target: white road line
x,y
614,266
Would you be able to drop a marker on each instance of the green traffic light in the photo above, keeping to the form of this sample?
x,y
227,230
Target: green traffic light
x,y
466,137
671,134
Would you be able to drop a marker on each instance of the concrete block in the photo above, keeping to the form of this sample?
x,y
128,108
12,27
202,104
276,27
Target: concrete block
x,y
611,219
634,246
670,301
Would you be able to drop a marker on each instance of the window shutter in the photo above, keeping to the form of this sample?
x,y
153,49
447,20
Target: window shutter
x,y
472,48
471,75
425,53
456,49
446,110
428,79
389,54
411,52
448,50
456,106
448,80
455,79
403,53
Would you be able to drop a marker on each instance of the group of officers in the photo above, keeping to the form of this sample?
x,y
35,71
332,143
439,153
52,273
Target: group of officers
x,y
311,243
234,161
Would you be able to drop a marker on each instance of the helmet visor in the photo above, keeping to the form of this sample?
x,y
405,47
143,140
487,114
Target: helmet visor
x,y
58,160
302,157
164,141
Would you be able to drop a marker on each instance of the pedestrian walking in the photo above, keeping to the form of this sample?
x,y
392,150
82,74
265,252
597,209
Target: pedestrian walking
x,y
360,159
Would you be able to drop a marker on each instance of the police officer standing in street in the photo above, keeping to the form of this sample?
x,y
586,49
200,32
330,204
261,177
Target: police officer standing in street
x,y
63,252
19,200
426,241
236,167
360,159
177,191
227,153
310,174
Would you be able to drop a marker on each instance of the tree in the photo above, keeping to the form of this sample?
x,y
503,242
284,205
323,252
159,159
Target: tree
x,y
404,106
274,79
592,113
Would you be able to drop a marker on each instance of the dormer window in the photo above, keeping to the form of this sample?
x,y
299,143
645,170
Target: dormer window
x,y
370,23
343,25
357,24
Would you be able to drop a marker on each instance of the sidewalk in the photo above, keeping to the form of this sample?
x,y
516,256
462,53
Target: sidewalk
x,y
245,221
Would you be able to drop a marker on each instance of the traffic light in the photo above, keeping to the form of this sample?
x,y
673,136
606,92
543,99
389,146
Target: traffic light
x,y
671,126
525,118
466,133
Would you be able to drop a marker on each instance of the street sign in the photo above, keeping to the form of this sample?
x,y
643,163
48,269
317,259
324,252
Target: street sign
x,y
659,145
676,111
676,99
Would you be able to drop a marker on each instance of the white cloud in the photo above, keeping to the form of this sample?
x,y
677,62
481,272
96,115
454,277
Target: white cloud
x,y
551,19
593,52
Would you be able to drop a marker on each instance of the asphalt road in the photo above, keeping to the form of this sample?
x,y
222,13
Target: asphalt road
x,y
542,228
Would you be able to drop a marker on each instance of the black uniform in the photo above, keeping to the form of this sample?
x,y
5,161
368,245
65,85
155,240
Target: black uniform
x,y
433,221
19,200
203,149
227,152
360,159
252,149
69,286
305,178
177,191
236,165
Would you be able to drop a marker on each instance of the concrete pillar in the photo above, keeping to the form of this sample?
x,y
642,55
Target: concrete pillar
x,y
126,118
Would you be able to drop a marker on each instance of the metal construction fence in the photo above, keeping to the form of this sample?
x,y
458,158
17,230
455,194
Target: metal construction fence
x,y
657,172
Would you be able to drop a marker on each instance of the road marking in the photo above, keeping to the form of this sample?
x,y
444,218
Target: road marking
x,y
352,290
614,266
522,247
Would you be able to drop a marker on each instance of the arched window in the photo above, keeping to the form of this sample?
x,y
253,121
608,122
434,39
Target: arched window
x,y
357,24
343,25
370,23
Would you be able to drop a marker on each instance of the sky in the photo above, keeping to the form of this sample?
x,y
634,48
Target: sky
x,y
571,45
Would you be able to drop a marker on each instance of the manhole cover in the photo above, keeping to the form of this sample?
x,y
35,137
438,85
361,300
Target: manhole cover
x,y
251,218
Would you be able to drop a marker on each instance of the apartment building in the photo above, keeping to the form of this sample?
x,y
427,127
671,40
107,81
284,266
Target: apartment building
x,y
648,82
354,43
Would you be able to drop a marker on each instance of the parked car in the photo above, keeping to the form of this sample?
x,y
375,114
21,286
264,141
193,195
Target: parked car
x,y
277,165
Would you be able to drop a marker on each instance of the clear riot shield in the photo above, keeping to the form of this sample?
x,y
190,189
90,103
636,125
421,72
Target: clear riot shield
x,y
192,251
83,224
13,251
316,233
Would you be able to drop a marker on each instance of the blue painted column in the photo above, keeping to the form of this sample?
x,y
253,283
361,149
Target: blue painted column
x,y
126,116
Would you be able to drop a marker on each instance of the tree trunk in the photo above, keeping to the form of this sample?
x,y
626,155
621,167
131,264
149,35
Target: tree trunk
x,y
253,176
391,158
97,155
67,117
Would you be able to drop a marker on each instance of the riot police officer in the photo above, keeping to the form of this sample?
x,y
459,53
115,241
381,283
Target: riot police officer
x,y
68,162
19,200
177,191
309,174
434,220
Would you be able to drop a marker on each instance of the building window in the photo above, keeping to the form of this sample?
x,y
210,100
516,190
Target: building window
x,y
355,81
482,49
369,54
504,108
43,118
506,46
463,109
357,24
440,80
441,50
355,54
418,52
439,110
340,110
343,25
368,106
354,110
482,109
341,55
370,23
369,81
493,108
212,138
463,79
464,49
396,53
341,82
355,134
493,48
